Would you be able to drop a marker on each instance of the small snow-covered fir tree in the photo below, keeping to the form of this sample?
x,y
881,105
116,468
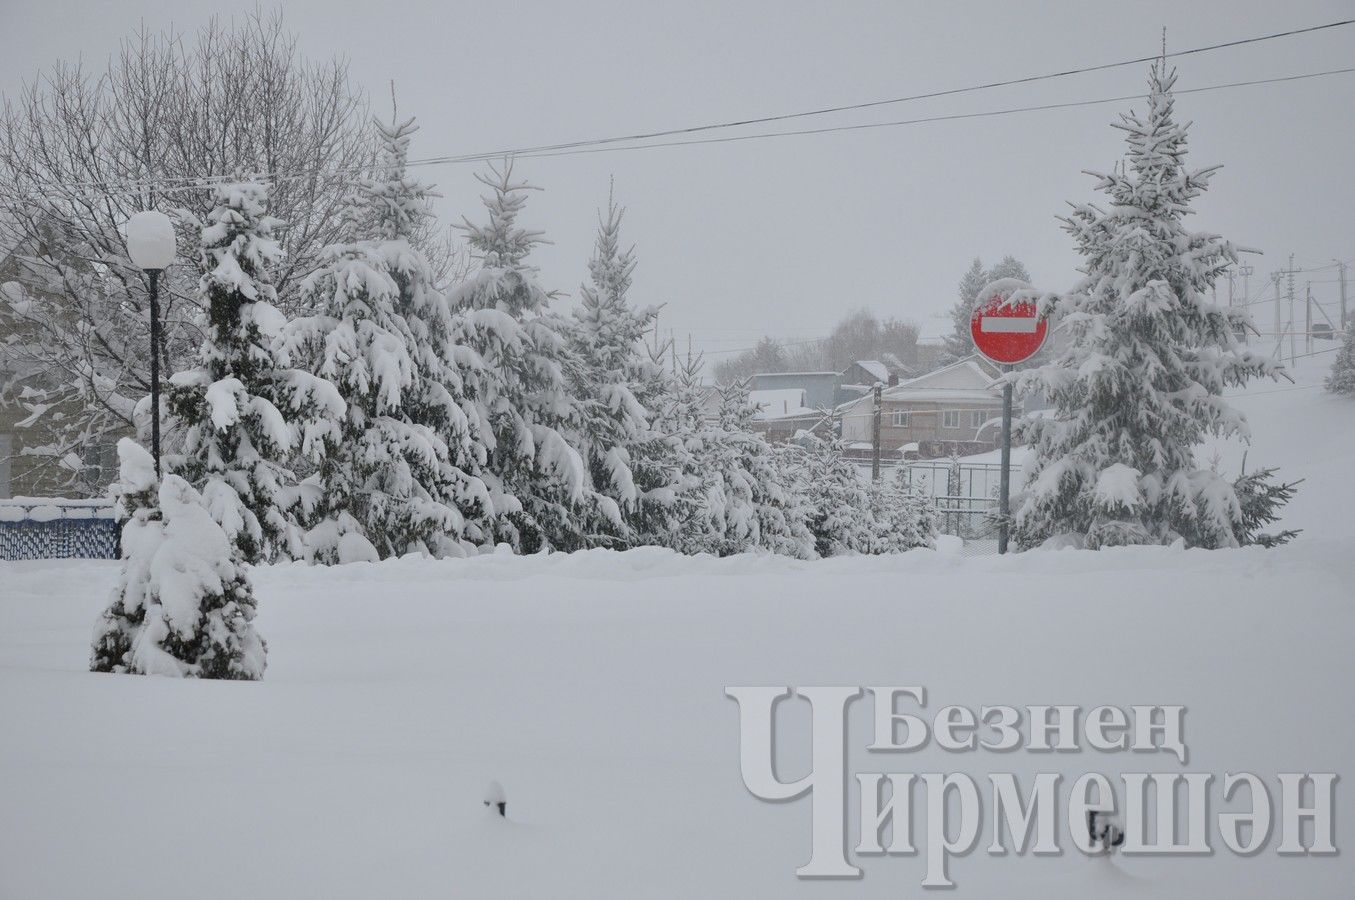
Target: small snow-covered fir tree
x,y
1341,378
236,414
400,474
183,606
520,382
840,510
847,515
1261,496
687,524
903,517
1139,383
630,458
748,501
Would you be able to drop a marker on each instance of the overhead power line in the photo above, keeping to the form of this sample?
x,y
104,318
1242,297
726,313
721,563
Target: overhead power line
x,y
195,182
862,126
870,104
764,135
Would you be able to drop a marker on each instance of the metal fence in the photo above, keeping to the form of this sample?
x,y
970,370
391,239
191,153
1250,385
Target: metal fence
x,y
57,528
965,495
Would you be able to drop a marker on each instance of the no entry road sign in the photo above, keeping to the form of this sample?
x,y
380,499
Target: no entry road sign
x,y
1007,334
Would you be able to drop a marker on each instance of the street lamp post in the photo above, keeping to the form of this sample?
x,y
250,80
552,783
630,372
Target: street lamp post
x,y
150,244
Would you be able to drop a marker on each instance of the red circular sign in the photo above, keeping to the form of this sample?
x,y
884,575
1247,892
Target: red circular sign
x,y
1007,334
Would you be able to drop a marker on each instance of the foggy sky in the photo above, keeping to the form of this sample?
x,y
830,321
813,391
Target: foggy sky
x,y
782,236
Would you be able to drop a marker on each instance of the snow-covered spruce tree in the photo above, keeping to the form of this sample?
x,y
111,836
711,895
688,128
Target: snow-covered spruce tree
x,y
847,515
747,501
673,400
520,379
689,527
841,512
183,605
1138,386
235,414
400,473
1261,497
630,456
1341,378
904,518
958,343
396,206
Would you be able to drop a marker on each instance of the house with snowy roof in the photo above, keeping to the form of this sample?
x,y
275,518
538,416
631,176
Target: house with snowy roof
x,y
820,388
952,410
784,412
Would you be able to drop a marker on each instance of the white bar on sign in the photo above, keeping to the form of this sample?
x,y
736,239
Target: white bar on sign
x,y
1008,324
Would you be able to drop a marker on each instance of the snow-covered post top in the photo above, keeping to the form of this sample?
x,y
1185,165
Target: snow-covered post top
x,y
150,240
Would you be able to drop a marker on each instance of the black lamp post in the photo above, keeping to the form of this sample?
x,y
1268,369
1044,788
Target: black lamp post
x,y
150,244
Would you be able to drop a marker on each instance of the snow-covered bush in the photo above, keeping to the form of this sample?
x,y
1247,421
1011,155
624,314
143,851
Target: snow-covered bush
x,y
236,414
519,362
841,514
400,471
1341,378
1138,384
903,517
183,605
846,514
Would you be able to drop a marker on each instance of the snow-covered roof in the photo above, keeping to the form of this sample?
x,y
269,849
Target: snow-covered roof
x,y
944,395
875,368
965,381
779,403
779,374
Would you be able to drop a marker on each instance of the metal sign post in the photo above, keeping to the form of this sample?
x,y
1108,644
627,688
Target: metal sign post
x,y
1004,491
1006,334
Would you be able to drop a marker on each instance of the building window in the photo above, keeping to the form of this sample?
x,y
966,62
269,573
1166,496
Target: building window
x,y
978,417
950,418
899,419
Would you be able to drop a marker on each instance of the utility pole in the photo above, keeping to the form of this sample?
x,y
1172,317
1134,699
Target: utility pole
x,y
1342,266
1275,333
875,436
1293,350
1308,319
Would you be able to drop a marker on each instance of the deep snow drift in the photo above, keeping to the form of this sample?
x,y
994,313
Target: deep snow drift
x,y
592,686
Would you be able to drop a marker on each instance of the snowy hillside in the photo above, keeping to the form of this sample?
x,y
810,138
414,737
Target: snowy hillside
x,y
591,686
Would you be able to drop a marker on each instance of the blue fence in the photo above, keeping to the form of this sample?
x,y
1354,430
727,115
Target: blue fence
x,y
56,528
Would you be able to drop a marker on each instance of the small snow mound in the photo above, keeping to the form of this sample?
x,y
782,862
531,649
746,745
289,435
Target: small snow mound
x,y
354,547
1067,541
949,544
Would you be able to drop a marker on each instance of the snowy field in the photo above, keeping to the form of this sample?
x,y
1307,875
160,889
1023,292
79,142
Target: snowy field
x,y
592,687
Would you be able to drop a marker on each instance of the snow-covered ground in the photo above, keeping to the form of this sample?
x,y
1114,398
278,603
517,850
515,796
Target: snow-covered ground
x,y
592,687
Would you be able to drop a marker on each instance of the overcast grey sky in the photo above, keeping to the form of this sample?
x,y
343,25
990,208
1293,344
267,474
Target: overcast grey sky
x,y
781,236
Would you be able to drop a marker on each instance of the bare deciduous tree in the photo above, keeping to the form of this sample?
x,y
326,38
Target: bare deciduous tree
x,y
81,152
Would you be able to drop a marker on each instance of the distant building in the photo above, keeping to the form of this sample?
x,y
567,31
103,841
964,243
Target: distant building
x,y
780,402
952,410
860,377
783,413
820,388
